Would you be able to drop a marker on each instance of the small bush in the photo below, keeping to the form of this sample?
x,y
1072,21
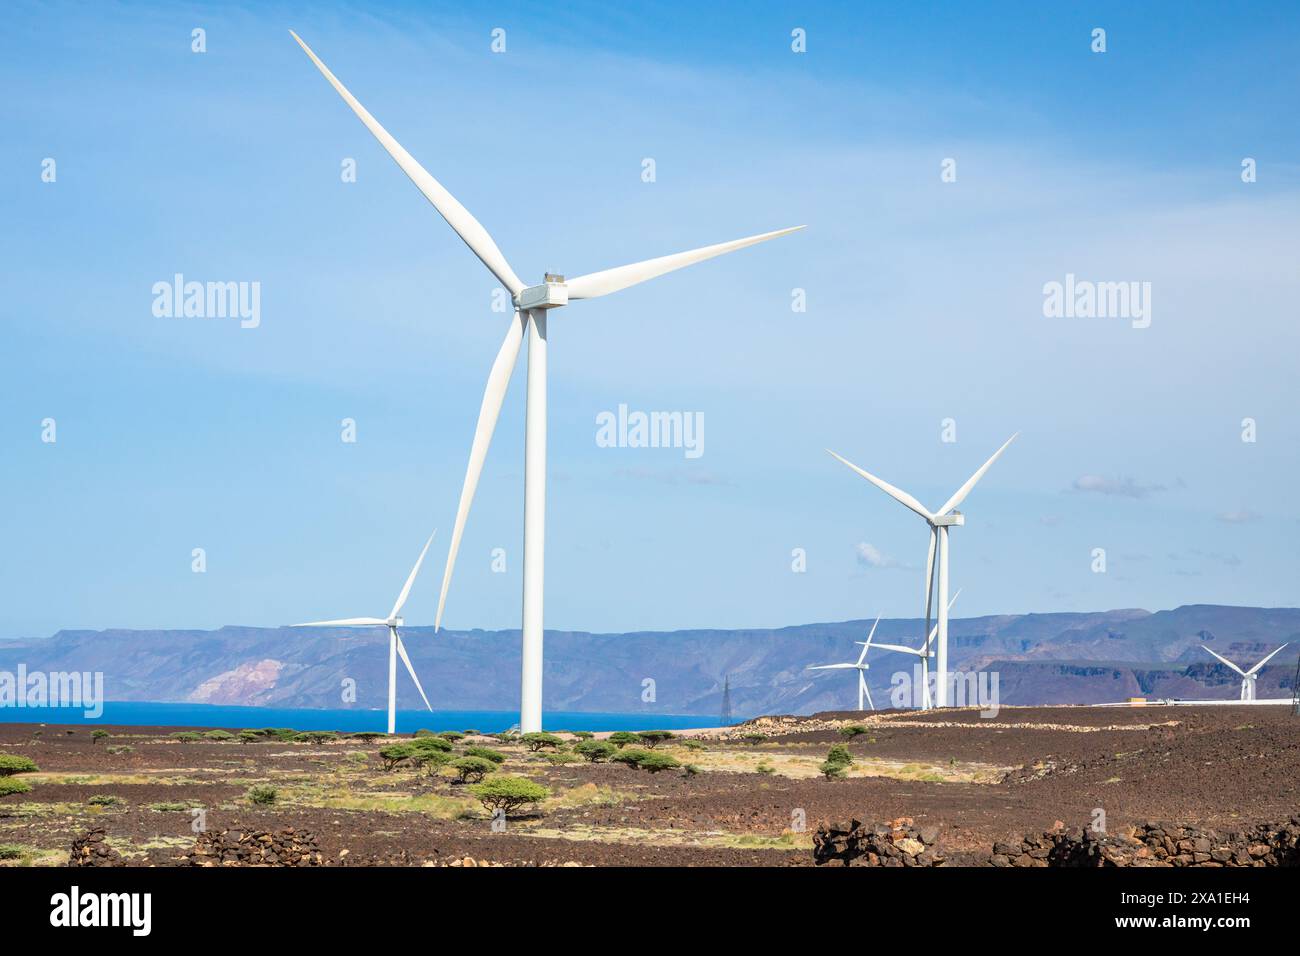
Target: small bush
x,y
654,762
471,732
11,764
10,785
120,749
535,742
562,757
430,743
487,753
632,756
429,760
472,769
452,735
367,736
765,768
508,794
98,735
315,737
170,807
753,739
394,754
690,744
595,751
852,730
9,851
839,754
652,738
279,733
187,736
583,734
425,733
250,736
262,794
833,771
689,770
622,738
103,800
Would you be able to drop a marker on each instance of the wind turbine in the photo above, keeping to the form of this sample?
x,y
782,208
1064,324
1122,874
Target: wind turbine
x,y
532,304
940,521
1247,677
861,666
395,646
925,652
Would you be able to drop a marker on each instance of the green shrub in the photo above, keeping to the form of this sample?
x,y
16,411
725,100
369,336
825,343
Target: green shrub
x,y
98,735
187,736
689,770
472,769
250,736
169,807
654,762
651,738
9,851
103,800
218,735
10,785
430,743
429,760
262,794
394,754
315,737
852,730
621,738
562,757
367,736
632,756
279,733
833,771
753,739
120,749
425,733
452,735
595,751
765,768
471,732
583,734
690,744
11,764
508,794
487,753
535,742
839,754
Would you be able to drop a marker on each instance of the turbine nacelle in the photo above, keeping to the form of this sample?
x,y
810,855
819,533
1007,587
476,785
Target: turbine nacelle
x,y
954,520
551,294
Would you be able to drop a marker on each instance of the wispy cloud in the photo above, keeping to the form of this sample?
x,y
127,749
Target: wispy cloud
x,y
1240,516
872,557
1116,487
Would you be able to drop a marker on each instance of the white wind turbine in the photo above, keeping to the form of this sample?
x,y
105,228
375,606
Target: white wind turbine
x,y
861,666
940,521
395,646
1247,677
925,652
531,306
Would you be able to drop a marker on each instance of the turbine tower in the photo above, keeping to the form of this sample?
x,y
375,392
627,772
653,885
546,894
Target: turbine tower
x,y
395,646
925,652
532,304
861,666
1247,677
945,517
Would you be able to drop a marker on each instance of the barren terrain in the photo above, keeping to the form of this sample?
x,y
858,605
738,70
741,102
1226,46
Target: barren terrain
x,y
751,800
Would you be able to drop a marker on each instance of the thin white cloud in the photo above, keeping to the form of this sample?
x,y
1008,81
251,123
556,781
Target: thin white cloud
x,y
1116,487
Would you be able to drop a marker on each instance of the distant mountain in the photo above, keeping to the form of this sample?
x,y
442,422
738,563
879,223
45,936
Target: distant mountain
x,y
1040,658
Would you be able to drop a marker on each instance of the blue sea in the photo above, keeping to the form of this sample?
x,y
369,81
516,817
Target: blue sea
x,y
137,713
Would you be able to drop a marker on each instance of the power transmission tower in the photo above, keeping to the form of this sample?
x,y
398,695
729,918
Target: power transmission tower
x,y
1295,690
726,702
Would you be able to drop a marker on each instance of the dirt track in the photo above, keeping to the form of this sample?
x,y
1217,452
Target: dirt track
x,y
1218,766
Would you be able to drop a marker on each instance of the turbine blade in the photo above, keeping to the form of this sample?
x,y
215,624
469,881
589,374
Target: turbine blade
x,y
488,413
902,497
469,229
965,489
929,578
1229,663
899,648
934,631
612,280
344,622
831,667
867,690
866,645
1262,663
401,652
410,579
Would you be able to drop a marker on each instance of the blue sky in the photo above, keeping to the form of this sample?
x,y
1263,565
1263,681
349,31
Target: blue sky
x,y
924,300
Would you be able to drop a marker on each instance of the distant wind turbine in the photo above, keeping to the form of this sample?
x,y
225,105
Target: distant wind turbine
x,y
532,304
861,666
925,652
1247,677
395,646
939,521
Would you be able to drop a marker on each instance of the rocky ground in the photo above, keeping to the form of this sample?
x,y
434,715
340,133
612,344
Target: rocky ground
x,y
756,797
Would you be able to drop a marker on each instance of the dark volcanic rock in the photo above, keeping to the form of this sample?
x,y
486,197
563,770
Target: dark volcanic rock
x,y
898,843
92,849
240,847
